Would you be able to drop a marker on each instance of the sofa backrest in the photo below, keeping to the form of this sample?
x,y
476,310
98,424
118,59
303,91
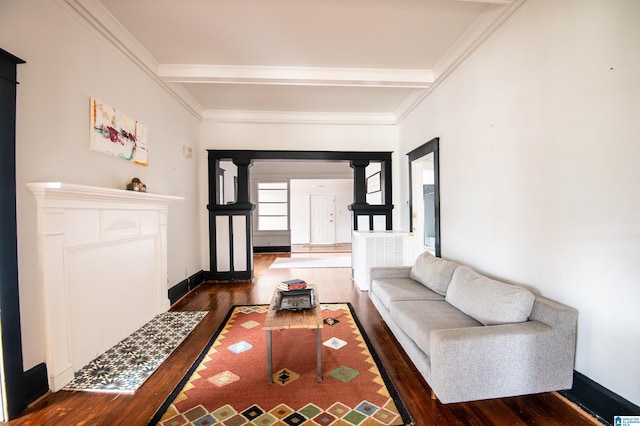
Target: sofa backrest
x,y
433,272
488,301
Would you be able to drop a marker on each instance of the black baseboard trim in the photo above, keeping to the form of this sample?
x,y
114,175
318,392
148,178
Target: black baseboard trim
x,y
36,382
598,401
176,292
229,276
272,249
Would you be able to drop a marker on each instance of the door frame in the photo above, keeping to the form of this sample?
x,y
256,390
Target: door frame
x,y
12,372
358,160
432,146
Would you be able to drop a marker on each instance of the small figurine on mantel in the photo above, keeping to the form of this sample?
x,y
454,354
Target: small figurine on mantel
x,y
136,185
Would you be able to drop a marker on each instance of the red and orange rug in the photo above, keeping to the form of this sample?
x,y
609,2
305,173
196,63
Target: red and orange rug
x,y
228,384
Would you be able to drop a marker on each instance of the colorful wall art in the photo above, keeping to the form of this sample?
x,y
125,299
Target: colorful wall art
x,y
114,133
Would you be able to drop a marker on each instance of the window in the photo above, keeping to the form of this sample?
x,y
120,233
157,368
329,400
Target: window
x,y
273,206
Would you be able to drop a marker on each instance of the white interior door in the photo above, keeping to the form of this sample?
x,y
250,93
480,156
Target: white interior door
x,y
322,217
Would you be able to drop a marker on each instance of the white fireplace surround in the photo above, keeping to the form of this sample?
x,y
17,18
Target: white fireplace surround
x,y
102,268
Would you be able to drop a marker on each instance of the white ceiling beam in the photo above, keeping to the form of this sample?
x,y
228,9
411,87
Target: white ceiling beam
x,y
297,117
302,76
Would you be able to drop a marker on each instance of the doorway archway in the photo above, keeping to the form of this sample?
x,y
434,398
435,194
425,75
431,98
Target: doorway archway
x,y
230,224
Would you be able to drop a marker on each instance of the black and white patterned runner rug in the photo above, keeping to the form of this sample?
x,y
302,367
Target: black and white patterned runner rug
x,y
126,366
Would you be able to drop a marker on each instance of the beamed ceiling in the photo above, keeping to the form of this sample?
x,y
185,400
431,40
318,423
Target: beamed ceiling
x,y
347,61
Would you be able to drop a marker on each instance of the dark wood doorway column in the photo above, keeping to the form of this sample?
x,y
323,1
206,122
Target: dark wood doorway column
x,y
360,207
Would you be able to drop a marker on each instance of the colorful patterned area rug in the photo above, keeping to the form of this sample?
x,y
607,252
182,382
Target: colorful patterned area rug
x,y
126,366
228,384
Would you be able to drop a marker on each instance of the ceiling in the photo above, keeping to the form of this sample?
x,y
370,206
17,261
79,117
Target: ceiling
x,y
348,60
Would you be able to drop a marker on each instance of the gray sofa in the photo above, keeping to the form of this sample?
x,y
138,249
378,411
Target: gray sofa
x,y
473,337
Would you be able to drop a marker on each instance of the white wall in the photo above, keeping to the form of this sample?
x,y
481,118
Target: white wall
x,y
539,169
292,137
67,65
301,191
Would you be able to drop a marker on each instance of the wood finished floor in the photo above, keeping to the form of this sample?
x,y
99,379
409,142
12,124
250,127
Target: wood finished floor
x,y
334,285
321,248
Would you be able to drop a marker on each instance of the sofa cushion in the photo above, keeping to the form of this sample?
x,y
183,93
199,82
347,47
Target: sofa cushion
x,y
418,318
433,272
488,301
391,289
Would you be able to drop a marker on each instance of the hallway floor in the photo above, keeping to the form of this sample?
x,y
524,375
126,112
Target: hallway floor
x,y
321,248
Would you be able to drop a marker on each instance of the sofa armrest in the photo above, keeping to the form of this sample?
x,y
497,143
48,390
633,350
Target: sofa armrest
x,y
378,272
555,314
499,360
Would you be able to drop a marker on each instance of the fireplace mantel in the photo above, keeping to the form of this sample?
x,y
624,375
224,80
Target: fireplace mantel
x,y
49,192
102,268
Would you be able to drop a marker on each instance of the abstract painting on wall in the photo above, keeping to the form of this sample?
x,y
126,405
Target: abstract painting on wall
x,y
114,133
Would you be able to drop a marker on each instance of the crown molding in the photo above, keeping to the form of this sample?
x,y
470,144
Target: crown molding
x,y
294,117
477,34
102,22
305,76
169,76
409,102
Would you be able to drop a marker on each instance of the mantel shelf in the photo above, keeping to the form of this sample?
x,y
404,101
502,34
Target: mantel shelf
x,y
60,190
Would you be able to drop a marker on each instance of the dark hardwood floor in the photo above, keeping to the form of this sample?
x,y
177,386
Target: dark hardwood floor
x,y
334,285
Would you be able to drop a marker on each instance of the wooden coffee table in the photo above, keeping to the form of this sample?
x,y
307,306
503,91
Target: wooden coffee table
x,y
284,320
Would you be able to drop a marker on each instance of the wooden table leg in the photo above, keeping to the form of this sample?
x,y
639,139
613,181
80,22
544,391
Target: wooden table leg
x,y
319,335
269,361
